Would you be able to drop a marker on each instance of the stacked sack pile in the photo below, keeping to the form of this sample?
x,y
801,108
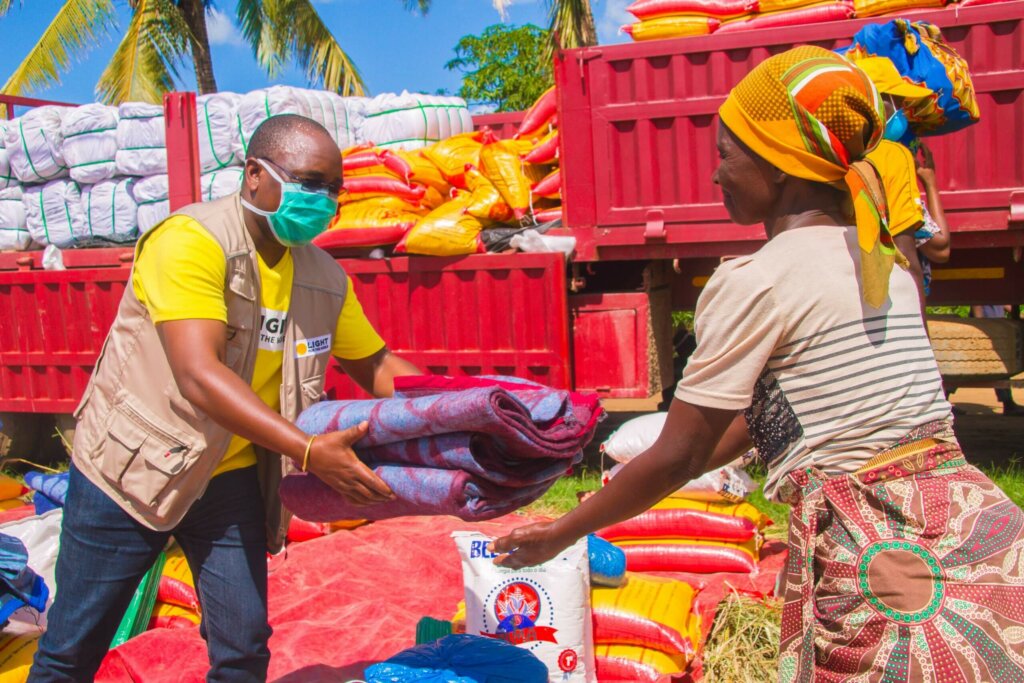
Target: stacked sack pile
x,y
704,527
97,175
438,199
660,19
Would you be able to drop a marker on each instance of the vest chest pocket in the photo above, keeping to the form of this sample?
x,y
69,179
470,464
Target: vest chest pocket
x,y
145,456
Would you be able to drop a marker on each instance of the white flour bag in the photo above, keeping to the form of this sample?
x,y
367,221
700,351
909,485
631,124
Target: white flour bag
x,y
544,609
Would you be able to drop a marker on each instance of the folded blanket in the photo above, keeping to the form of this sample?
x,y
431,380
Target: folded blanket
x,y
476,453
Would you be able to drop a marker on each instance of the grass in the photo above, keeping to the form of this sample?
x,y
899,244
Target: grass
x,y
1010,478
561,497
743,646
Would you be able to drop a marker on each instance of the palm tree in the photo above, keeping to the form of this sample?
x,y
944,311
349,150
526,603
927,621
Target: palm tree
x,y
163,34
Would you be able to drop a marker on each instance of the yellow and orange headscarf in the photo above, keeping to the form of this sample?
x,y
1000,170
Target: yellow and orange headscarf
x,y
814,115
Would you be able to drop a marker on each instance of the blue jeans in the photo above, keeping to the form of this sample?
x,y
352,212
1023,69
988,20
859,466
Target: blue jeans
x,y
104,553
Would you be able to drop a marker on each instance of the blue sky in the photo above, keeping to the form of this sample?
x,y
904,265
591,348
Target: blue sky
x,y
393,49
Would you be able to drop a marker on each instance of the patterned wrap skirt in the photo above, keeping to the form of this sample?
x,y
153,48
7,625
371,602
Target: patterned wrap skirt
x,y
910,569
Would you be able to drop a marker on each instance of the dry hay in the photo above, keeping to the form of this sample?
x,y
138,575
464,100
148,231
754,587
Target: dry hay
x,y
743,646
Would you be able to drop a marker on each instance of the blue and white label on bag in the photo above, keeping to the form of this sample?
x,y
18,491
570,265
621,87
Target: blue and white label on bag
x,y
313,346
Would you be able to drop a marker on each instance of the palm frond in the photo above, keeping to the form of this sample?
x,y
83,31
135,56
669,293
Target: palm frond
x,y
572,25
76,29
315,49
5,6
145,64
421,6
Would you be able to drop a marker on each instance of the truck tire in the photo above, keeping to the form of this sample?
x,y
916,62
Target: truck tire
x,y
976,347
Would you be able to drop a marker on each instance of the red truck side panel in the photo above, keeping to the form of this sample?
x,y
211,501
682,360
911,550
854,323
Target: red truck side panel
x,y
479,314
638,126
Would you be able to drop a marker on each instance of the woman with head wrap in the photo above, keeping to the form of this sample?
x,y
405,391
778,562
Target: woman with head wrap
x,y
905,563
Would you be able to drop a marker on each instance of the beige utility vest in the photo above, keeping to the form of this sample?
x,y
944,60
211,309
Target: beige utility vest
x,y
151,450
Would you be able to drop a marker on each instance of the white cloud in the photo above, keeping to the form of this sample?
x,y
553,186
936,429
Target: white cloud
x,y
221,29
612,19
483,108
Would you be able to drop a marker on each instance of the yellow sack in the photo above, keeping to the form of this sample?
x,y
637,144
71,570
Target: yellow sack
x,y
451,156
647,611
636,664
760,520
485,201
672,26
874,8
424,172
12,503
16,653
10,488
433,199
500,163
176,566
765,6
446,231
376,212
164,614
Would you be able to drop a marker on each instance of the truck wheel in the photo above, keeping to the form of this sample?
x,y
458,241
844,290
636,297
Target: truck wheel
x,y
976,347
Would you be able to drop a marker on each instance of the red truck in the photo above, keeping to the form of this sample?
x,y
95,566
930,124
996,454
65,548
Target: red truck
x,y
637,126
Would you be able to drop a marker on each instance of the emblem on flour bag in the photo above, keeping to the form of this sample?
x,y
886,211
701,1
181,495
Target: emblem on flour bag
x,y
543,609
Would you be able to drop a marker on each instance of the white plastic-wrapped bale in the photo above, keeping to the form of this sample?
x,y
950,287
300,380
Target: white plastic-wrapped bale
x,y
218,184
259,105
141,149
7,177
90,142
341,116
53,213
411,121
151,198
35,146
219,142
13,233
110,211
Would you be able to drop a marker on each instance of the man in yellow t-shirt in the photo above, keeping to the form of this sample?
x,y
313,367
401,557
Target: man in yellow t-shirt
x,y
289,195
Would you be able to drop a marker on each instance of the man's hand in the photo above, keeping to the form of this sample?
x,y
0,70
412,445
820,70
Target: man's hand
x,y
333,461
529,545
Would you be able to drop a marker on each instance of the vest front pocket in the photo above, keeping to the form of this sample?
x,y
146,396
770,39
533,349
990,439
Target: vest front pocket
x,y
147,455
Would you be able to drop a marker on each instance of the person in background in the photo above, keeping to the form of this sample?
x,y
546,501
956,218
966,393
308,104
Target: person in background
x,y
1004,396
187,424
904,559
932,237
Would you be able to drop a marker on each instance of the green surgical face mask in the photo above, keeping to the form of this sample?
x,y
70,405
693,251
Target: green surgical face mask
x,y
301,215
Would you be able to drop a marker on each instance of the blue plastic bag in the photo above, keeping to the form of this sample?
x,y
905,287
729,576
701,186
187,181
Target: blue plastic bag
x,y
470,659
920,54
607,562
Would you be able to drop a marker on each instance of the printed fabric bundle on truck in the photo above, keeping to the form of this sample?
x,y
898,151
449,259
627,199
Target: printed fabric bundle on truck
x,y
151,194
90,142
259,105
7,177
341,116
13,233
141,149
35,146
411,121
111,214
475,448
53,213
220,143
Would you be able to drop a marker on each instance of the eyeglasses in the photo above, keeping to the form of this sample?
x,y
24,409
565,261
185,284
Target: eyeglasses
x,y
332,190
